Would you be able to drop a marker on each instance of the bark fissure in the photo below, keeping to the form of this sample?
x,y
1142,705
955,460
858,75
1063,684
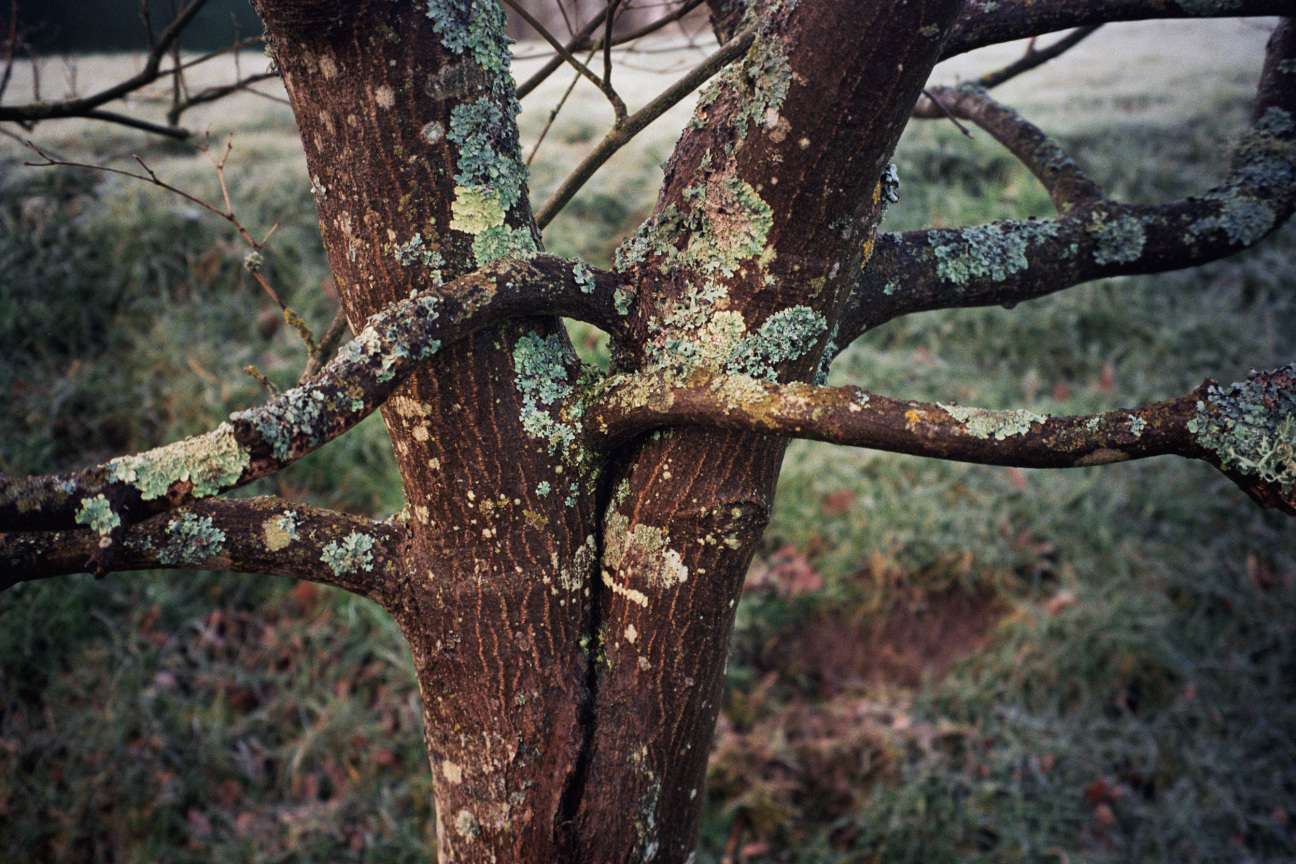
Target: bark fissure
x,y
568,563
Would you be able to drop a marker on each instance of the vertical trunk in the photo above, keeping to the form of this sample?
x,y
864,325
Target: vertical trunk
x,y
569,702
768,209
398,125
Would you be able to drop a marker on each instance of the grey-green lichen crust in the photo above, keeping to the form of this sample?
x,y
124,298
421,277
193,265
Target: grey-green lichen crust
x,y
1251,426
994,251
490,179
1117,239
212,462
98,514
980,423
541,364
351,554
192,540
1264,165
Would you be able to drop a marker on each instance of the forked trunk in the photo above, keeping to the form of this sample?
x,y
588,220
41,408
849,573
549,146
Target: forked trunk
x,y
570,612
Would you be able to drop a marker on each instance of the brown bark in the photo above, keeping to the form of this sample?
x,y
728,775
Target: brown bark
x,y
569,606
490,604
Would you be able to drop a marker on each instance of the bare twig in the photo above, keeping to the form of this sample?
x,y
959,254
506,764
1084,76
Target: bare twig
x,y
618,104
1032,58
635,123
940,106
581,41
553,115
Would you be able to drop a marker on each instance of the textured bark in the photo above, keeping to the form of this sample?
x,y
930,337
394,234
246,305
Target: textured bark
x,y
571,553
493,622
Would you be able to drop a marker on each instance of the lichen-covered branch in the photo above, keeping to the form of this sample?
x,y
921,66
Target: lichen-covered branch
x,y
260,441
1008,262
1064,180
990,22
267,535
1247,430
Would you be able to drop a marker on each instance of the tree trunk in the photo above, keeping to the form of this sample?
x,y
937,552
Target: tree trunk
x,y
571,666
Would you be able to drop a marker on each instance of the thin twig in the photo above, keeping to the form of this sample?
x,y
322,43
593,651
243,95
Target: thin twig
x,y
1032,58
177,132
623,133
333,336
553,115
618,104
948,116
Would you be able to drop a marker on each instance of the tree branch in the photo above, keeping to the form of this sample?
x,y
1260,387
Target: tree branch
x,y
151,72
1066,183
1008,262
260,441
624,132
989,22
266,535
1248,430
1034,58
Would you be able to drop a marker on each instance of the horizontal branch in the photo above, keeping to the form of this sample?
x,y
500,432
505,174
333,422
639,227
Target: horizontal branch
x,y
1005,263
269,536
990,22
81,107
260,441
1248,430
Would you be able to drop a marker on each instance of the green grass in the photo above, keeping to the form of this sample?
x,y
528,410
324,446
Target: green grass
x,y
1129,697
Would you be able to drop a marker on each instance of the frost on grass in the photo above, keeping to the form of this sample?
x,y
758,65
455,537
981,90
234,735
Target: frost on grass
x,y
1251,426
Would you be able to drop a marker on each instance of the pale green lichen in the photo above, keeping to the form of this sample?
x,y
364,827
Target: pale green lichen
x,y
212,462
786,335
350,554
1136,425
472,28
1117,241
622,299
584,278
543,488
413,251
466,824
488,150
994,251
727,224
475,209
1251,426
644,546
191,539
98,514
980,423
501,241
1241,219
280,531
541,366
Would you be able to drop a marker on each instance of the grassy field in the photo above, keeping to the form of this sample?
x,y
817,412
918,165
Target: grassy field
x,y
934,662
